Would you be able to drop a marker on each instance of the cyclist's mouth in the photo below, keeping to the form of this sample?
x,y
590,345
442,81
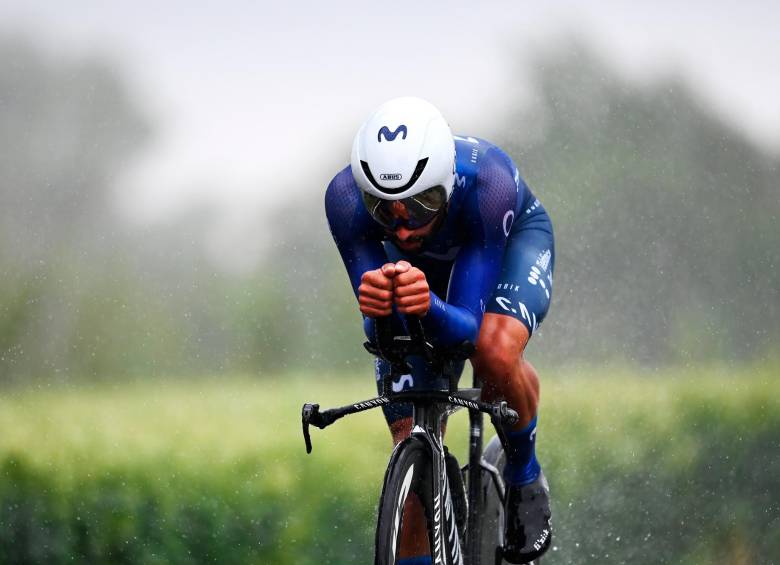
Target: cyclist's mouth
x,y
409,244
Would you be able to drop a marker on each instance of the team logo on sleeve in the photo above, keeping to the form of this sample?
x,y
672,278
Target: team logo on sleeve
x,y
535,274
509,217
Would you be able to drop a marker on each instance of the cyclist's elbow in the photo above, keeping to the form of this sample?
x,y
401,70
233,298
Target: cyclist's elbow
x,y
368,328
458,328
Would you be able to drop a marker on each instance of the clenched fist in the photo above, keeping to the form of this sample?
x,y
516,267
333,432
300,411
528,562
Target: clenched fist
x,y
411,292
398,283
375,293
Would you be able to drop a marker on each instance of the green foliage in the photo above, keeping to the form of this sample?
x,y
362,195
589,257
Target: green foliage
x,y
682,466
675,470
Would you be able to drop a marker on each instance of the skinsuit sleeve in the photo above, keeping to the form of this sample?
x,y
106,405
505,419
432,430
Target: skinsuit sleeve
x,y
489,210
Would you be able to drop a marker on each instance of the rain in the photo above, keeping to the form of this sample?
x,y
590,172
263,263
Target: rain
x,y
170,293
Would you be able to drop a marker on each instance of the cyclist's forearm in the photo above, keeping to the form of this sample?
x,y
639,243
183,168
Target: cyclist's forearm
x,y
450,324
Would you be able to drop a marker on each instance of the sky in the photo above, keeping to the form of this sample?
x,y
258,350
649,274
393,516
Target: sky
x,y
247,98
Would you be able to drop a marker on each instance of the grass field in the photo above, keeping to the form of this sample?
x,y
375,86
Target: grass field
x,y
674,466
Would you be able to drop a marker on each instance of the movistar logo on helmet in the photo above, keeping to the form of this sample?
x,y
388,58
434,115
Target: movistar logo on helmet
x,y
391,135
391,176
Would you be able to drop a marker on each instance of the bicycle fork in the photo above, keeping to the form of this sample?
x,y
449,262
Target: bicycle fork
x,y
444,540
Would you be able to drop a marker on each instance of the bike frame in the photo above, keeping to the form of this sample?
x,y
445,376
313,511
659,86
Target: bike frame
x,y
429,409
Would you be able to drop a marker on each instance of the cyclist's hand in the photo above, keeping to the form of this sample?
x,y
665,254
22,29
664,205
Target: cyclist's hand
x,y
375,293
412,293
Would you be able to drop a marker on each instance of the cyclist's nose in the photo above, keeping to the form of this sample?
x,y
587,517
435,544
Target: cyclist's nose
x,y
403,233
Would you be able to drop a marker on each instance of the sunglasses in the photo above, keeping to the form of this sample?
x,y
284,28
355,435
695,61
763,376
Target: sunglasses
x,y
411,212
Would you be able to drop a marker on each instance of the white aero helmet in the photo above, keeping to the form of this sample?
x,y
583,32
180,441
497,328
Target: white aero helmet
x,y
404,153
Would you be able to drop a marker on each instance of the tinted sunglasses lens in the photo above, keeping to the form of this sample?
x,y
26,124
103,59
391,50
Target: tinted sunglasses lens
x,y
424,207
412,212
379,209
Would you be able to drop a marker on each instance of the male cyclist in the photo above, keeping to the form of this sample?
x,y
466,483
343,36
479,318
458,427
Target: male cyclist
x,y
443,227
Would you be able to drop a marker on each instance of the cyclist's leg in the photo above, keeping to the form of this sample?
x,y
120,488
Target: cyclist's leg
x,y
505,373
399,416
514,312
517,307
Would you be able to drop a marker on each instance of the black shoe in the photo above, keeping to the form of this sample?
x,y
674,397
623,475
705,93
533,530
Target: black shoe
x,y
528,532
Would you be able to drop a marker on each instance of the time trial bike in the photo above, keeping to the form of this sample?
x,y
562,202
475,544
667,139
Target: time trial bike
x,y
463,507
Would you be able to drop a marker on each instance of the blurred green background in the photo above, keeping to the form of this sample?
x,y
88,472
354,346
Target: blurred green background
x,y
149,397
676,466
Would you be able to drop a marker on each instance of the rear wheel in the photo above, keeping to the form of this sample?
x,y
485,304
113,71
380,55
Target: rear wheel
x,y
493,525
493,509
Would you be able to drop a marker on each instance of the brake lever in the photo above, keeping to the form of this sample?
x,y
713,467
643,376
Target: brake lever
x,y
503,414
308,412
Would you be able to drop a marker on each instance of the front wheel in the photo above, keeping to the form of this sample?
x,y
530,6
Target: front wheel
x,y
409,518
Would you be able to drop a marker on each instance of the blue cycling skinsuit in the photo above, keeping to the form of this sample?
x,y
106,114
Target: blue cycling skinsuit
x,y
493,253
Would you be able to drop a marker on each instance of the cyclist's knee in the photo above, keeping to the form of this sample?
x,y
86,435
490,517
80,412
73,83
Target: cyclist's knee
x,y
500,335
401,429
499,362
498,355
530,376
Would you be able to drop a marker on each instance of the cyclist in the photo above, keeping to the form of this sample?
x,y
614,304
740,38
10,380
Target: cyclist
x,y
443,227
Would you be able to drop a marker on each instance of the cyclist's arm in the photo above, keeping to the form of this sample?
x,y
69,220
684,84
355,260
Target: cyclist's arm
x,y
478,265
355,234
358,238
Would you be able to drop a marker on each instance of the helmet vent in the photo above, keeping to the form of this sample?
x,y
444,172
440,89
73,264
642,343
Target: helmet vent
x,y
418,170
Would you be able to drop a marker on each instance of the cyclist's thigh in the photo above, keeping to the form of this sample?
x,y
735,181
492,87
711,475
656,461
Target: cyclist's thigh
x,y
525,284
